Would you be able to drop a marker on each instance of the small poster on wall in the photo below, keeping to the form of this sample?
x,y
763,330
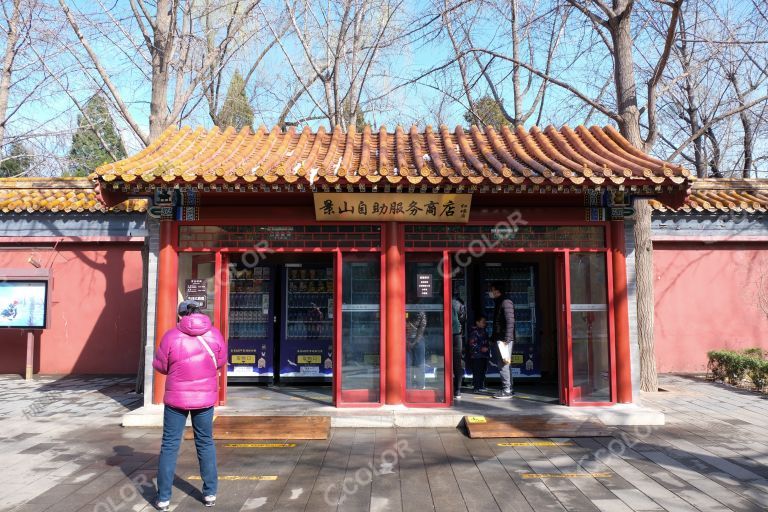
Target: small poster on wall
x,y
197,290
424,286
23,304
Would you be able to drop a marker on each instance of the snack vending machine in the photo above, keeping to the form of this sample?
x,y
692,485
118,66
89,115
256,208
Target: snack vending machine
x,y
251,322
306,341
520,281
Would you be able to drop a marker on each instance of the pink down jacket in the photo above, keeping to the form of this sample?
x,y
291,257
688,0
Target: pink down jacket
x,y
192,381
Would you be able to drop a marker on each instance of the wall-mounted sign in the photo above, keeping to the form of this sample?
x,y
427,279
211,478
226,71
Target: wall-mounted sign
x,y
23,304
196,290
405,207
424,286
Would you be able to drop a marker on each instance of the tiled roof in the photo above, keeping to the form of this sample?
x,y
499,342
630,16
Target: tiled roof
x,y
579,156
18,195
723,195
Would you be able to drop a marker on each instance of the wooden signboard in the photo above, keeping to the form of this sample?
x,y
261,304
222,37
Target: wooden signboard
x,y
404,207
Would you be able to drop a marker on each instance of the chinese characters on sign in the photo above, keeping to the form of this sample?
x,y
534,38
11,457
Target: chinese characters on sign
x,y
424,286
197,290
446,208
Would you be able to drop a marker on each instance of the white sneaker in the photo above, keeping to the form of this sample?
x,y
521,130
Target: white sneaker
x,y
165,506
209,501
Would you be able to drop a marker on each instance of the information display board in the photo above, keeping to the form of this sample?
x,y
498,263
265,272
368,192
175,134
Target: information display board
x,y
23,304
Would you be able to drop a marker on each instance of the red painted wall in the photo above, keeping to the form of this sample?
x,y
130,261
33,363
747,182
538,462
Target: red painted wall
x,y
95,317
707,298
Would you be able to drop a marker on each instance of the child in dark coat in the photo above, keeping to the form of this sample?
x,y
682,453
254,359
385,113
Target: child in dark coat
x,y
480,352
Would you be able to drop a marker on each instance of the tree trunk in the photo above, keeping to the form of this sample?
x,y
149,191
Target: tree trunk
x,y
10,55
158,105
624,78
645,298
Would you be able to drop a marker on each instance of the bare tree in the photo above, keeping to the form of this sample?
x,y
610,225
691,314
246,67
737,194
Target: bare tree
x,y
341,45
178,44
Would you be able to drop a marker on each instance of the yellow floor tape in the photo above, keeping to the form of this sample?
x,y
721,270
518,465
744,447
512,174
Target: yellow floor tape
x,y
260,445
566,475
236,477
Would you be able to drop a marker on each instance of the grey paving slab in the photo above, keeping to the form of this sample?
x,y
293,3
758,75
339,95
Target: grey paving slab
x,y
62,438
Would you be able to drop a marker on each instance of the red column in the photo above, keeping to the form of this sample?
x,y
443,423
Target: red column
x,y
621,314
395,289
167,293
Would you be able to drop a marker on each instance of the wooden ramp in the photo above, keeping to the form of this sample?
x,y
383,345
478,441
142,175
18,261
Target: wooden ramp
x,y
534,426
269,427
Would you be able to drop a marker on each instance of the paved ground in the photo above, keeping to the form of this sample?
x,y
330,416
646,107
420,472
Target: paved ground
x,y
61,450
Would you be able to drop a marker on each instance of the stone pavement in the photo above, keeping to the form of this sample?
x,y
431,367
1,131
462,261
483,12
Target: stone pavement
x,y
62,450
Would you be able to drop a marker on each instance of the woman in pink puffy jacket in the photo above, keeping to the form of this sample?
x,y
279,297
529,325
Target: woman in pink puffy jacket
x,y
191,355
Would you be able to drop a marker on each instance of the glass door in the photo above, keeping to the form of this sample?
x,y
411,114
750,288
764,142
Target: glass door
x,y
425,329
589,351
361,331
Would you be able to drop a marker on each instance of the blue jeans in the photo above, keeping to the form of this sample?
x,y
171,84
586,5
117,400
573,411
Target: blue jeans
x,y
414,362
173,430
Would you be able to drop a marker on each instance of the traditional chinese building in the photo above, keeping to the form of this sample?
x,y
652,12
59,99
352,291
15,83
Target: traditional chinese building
x,y
333,257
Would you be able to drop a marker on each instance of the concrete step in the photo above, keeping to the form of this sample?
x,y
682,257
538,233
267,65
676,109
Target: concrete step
x,y
389,416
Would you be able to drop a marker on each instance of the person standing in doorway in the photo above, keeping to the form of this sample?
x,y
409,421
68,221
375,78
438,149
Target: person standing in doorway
x,y
458,318
479,353
191,355
502,336
415,354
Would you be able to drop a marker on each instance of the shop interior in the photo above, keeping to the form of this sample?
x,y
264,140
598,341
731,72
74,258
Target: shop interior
x,y
529,280
280,323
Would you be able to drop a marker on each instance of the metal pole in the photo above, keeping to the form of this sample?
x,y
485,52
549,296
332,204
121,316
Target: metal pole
x,y
30,355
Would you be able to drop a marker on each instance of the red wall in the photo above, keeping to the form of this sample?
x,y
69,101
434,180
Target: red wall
x,y
707,298
95,317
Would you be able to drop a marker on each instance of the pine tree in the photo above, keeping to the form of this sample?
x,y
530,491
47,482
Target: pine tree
x,y
489,111
236,110
16,162
95,130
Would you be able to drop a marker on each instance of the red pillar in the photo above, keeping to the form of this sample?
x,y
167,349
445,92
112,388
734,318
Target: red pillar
x,y
167,293
621,314
395,289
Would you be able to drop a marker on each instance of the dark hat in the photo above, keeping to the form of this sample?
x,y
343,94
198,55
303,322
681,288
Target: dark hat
x,y
187,307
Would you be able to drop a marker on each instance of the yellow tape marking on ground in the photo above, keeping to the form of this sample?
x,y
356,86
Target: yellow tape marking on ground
x,y
260,445
476,419
535,443
237,477
566,475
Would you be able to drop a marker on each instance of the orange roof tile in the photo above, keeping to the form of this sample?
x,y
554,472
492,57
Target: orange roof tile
x,y
18,195
723,195
580,156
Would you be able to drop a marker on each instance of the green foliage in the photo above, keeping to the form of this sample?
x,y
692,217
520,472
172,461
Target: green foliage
x,y
94,126
733,366
16,162
236,110
489,112
757,371
753,352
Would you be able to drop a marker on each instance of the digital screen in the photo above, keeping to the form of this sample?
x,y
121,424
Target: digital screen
x,y
23,304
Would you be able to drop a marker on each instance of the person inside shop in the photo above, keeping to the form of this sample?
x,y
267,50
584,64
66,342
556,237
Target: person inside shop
x,y
415,353
502,336
479,353
458,319
191,355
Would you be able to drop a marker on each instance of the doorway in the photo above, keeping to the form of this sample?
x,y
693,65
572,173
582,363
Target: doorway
x,y
529,281
279,323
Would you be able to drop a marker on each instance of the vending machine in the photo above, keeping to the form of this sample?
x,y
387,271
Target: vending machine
x,y
520,281
251,322
306,340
